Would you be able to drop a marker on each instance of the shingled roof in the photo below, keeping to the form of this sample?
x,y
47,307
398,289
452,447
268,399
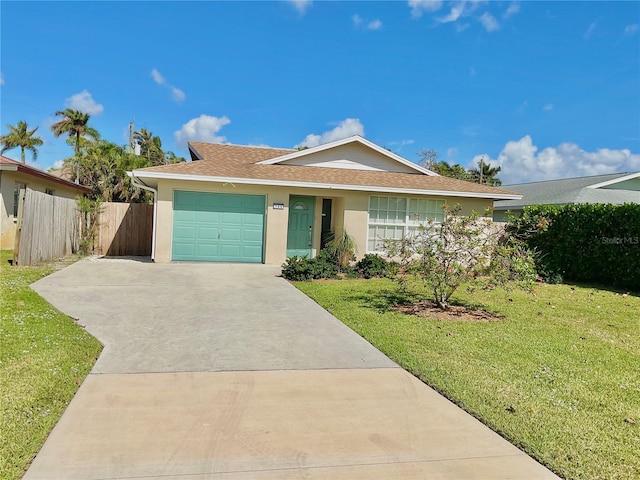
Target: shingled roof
x,y
239,164
574,190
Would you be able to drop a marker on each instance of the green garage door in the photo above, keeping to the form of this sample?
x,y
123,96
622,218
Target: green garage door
x,y
217,227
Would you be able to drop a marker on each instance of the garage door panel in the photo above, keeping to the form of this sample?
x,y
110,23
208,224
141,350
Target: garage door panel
x,y
184,200
186,249
253,220
232,218
252,235
208,217
184,216
249,251
209,202
230,234
230,252
207,233
181,232
218,227
205,250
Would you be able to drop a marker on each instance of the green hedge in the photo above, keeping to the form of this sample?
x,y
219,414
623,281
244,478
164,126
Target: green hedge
x,y
587,243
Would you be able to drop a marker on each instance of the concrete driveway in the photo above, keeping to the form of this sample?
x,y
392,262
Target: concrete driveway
x,y
216,371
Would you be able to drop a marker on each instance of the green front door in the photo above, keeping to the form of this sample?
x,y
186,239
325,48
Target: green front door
x,y
217,227
300,231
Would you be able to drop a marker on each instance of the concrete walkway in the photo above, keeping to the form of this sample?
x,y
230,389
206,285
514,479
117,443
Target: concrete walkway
x,y
215,371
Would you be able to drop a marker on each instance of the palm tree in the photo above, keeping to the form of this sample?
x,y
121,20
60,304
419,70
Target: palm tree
x,y
21,136
485,173
75,124
150,146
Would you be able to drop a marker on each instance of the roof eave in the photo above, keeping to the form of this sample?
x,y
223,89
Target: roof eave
x,y
34,172
330,186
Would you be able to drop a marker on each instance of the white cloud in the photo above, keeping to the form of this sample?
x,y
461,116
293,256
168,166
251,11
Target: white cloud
x,y
631,29
374,25
301,5
346,128
460,9
358,22
511,10
590,29
548,107
522,162
157,77
456,12
1,79
472,72
451,153
489,22
178,95
57,165
418,7
202,129
402,143
84,102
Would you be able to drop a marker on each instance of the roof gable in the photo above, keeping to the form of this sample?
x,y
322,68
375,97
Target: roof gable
x,y
624,181
352,153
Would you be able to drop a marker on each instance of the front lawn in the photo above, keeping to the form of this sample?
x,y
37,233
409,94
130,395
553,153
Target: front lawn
x,y
559,377
44,357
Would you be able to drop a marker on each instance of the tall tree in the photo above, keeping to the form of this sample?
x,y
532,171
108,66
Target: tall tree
x,y
103,167
75,124
150,146
21,136
486,174
428,159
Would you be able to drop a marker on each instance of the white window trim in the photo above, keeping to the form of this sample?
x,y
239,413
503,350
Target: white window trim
x,y
406,225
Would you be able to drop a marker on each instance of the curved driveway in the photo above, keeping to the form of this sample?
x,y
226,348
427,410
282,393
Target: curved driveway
x,y
215,371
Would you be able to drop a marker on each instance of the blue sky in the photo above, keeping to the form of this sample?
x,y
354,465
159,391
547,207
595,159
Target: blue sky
x,y
544,89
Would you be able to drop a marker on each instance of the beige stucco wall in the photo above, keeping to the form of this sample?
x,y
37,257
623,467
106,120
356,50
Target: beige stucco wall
x,y
8,181
352,155
350,212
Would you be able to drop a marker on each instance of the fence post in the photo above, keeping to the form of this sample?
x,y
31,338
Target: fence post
x,y
16,247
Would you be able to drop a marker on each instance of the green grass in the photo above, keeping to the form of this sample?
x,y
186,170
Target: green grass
x,y
44,357
559,377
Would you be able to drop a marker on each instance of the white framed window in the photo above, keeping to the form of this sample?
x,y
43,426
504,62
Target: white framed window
x,y
391,218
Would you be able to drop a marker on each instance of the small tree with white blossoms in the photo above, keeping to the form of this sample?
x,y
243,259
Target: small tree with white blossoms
x,y
444,255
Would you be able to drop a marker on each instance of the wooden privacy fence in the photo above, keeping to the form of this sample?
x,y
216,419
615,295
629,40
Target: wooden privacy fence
x,y
124,229
48,227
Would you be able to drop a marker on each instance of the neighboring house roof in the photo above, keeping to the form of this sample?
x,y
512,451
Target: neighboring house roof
x,y
268,166
616,188
9,165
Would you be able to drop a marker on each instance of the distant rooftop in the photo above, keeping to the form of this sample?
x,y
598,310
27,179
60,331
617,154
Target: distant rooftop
x,y
616,188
